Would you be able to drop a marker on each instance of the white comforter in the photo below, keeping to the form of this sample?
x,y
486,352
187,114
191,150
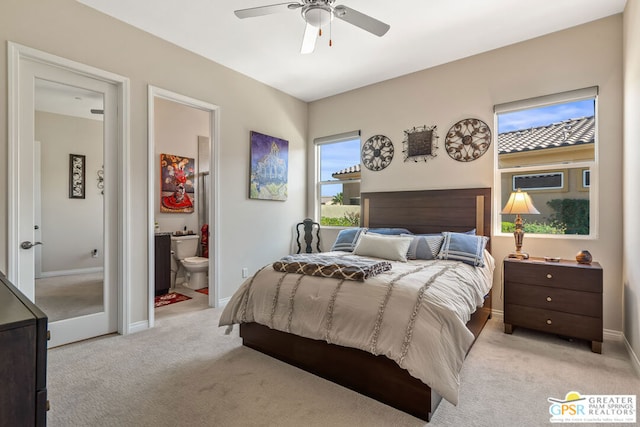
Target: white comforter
x,y
414,314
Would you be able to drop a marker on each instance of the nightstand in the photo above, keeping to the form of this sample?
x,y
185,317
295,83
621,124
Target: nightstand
x,y
563,298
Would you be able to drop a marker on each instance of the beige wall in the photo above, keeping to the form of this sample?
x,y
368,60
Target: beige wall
x,y
583,56
177,128
632,174
252,231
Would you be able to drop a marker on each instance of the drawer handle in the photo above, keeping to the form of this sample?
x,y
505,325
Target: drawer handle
x,y
549,299
549,276
549,321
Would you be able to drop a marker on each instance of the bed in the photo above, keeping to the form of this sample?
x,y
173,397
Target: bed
x,y
376,374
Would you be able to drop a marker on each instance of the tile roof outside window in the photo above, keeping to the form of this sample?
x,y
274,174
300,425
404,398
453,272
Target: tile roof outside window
x,y
570,132
347,171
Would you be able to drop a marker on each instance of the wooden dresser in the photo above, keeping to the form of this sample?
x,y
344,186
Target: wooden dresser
x,y
564,298
23,359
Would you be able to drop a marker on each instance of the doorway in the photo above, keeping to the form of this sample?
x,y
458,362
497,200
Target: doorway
x,y
203,150
64,219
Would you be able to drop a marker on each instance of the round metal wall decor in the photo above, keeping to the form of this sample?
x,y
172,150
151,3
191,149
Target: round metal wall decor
x,y
468,140
377,152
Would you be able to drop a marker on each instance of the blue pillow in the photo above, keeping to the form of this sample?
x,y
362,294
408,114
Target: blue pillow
x,y
347,239
389,231
424,246
463,247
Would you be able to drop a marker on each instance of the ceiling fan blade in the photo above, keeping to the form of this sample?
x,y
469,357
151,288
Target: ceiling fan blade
x,y
361,20
265,10
309,39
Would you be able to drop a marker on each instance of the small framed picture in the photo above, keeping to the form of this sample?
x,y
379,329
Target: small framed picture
x,y
76,176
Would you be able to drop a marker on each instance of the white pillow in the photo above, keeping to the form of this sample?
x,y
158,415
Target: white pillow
x,y
392,248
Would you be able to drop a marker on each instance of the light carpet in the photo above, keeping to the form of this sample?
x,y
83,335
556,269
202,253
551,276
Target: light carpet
x,y
64,297
187,372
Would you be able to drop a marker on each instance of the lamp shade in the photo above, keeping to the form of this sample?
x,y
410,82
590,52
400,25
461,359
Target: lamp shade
x,y
519,203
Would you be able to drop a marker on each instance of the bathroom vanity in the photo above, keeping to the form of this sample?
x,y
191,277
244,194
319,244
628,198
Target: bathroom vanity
x,y
162,263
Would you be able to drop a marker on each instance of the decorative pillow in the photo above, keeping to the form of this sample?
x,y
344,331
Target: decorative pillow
x,y
424,246
463,247
347,239
393,248
389,231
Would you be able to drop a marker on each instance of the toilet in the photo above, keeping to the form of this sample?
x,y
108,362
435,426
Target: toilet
x,y
184,250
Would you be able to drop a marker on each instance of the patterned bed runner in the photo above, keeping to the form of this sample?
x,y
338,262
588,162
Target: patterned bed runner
x,y
338,267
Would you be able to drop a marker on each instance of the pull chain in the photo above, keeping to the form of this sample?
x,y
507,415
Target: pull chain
x,y
330,32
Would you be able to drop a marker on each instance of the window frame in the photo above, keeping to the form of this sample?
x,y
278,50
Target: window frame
x,y
591,165
316,201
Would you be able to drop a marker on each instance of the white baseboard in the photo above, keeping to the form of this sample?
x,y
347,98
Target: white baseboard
x,y
612,335
224,301
635,361
73,272
138,326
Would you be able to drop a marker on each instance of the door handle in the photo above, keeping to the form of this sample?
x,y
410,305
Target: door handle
x,y
28,245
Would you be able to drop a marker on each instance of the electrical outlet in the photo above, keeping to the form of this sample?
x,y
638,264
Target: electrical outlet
x,y
245,272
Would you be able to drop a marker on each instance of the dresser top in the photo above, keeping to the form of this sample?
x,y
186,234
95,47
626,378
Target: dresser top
x,y
15,309
562,262
13,312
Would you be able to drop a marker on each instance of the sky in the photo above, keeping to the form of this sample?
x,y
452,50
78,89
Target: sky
x,y
335,157
542,116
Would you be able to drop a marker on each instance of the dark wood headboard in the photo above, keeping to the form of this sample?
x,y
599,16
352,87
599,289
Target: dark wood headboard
x,y
429,211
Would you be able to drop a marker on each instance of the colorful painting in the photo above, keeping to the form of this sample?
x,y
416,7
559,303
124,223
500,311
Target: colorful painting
x,y
269,167
176,184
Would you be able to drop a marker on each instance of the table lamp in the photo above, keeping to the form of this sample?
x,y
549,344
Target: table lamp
x,y
519,203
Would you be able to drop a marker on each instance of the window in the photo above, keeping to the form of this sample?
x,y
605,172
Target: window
x,y
586,178
338,179
543,181
547,147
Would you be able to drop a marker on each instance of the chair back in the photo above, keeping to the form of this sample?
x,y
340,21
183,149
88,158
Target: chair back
x,y
307,226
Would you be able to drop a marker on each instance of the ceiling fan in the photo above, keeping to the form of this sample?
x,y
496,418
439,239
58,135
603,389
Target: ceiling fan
x,y
317,14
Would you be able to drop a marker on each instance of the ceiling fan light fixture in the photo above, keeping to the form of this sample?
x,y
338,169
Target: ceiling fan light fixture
x,y
317,16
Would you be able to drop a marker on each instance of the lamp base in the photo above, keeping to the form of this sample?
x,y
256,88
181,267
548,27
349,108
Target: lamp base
x,y
519,255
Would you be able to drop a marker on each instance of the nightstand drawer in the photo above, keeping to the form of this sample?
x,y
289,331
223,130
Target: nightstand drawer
x,y
588,279
557,299
588,328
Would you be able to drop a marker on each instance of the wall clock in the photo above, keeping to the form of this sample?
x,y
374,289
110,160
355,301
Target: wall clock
x,y
467,140
420,143
377,152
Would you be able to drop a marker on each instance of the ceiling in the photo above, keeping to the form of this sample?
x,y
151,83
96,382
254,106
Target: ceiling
x,y
58,98
423,34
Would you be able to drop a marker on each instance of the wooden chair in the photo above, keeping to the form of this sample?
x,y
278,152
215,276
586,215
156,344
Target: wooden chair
x,y
308,226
